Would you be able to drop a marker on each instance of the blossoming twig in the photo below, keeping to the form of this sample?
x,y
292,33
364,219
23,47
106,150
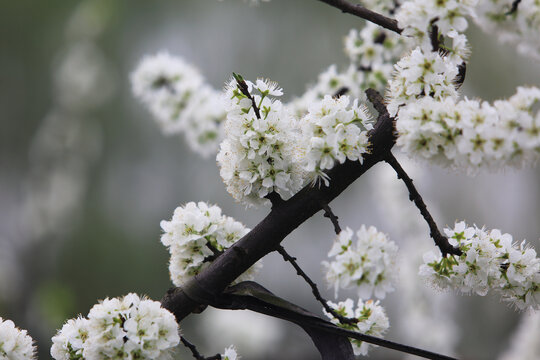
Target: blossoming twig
x,y
440,240
342,319
245,90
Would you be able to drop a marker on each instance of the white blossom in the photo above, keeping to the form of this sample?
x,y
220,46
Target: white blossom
x,y
421,74
519,28
469,134
372,320
230,354
180,101
260,152
369,264
490,260
15,343
193,235
130,327
333,133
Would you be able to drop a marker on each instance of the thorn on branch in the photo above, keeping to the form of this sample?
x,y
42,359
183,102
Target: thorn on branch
x,y
378,101
314,289
440,240
329,214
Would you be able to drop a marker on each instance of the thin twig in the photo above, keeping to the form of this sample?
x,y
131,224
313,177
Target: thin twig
x,y
440,240
366,14
245,90
434,36
341,91
514,7
342,319
196,354
329,214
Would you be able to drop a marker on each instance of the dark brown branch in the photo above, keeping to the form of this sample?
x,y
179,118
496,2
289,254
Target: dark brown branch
x,y
366,14
440,240
341,91
196,353
245,90
333,218
314,289
434,36
252,296
280,222
513,9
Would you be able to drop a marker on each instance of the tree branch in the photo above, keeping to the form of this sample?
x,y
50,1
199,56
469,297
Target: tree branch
x,y
366,14
252,296
314,288
196,353
284,217
333,218
245,90
440,240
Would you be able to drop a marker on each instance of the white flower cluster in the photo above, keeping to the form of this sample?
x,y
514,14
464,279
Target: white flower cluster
x,y
260,153
334,132
372,51
230,354
180,101
329,82
372,320
370,264
416,18
469,134
195,233
422,74
520,27
119,328
490,260
15,344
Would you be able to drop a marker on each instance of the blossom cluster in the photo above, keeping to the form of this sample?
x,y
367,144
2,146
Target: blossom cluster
x,y
369,264
371,52
130,327
329,82
334,133
15,344
180,100
516,27
372,320
260,153
469,134
422,74
197,233
418,18
490,260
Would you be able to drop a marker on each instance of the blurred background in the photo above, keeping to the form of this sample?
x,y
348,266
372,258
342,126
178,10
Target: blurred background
x,y
86,176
